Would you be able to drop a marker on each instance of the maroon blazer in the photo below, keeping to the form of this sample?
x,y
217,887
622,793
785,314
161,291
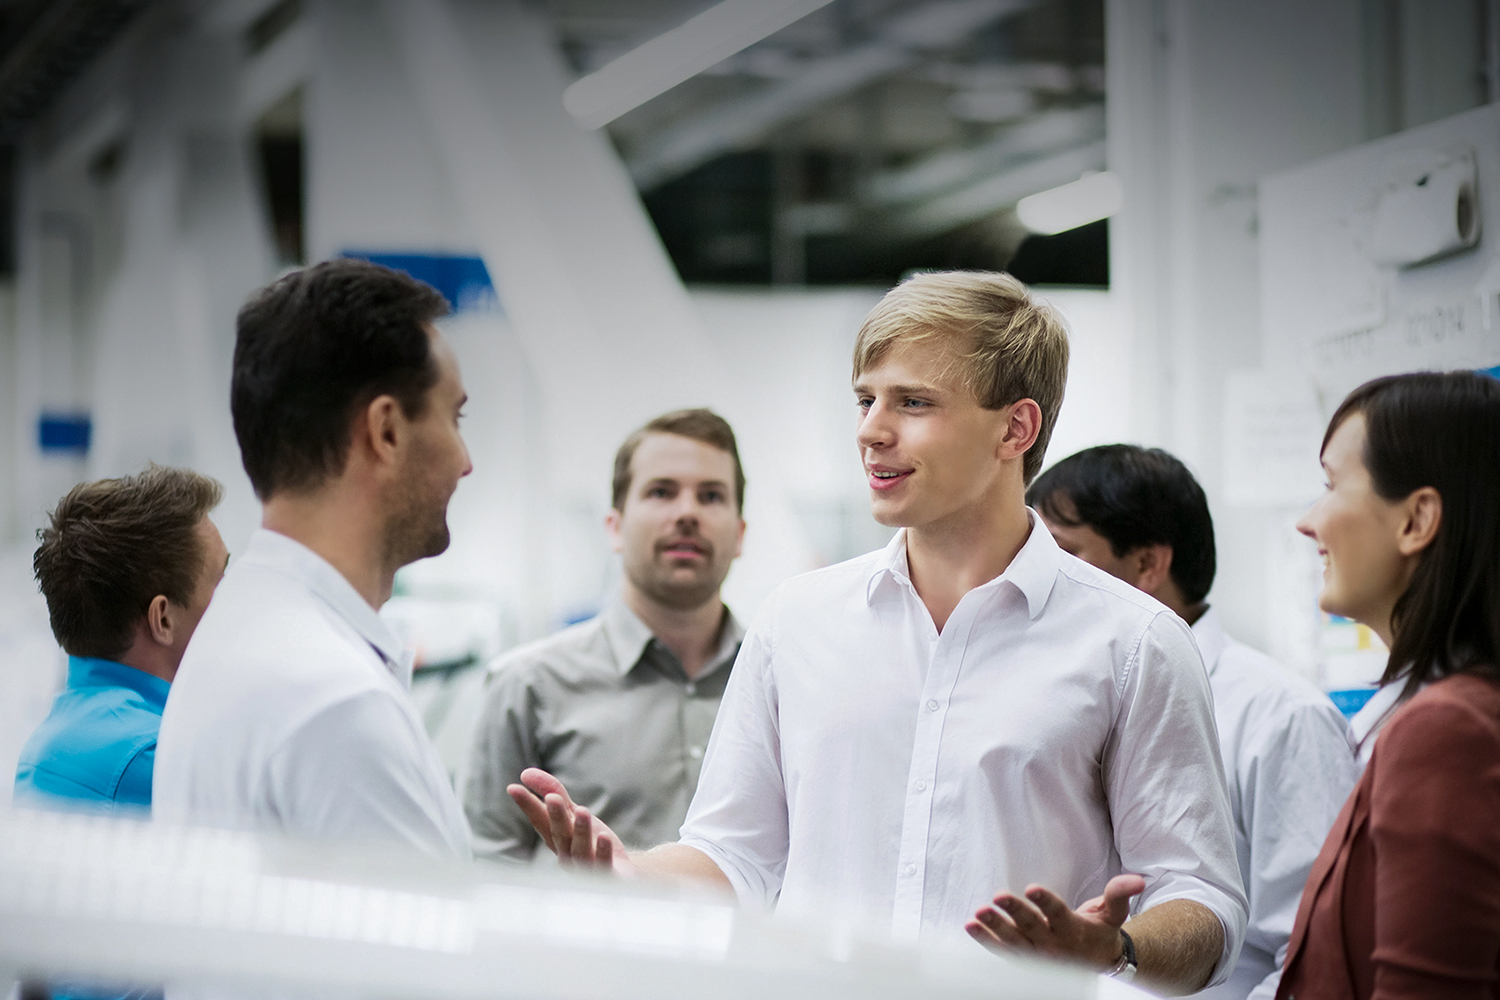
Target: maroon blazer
x,y
1404,900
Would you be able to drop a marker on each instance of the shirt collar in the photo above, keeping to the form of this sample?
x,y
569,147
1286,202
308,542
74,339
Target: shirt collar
x,y
1209,632
628,637
291,558
1033,571
88,672
626,634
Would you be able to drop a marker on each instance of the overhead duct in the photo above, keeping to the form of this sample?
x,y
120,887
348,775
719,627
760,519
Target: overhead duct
x,y
985,197
945,171
60,43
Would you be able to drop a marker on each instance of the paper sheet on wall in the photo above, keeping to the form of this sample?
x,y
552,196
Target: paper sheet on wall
x,y
1273,428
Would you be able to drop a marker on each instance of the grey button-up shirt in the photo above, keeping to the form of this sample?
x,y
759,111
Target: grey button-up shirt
x,y
608,709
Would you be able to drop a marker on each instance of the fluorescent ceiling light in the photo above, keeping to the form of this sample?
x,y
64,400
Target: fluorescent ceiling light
x,y
678,55
1088,199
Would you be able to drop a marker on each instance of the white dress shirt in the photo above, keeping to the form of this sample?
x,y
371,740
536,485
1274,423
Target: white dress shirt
x,y
865,767
1367,723
290,713
1291,764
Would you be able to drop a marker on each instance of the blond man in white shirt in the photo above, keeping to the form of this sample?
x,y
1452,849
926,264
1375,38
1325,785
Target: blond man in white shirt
x,y
1138,514
290,711
969,710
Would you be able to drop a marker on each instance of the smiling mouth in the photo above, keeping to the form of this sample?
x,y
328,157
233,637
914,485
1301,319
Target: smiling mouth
x,y
884,479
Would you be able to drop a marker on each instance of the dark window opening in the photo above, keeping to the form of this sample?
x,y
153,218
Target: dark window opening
x,y
7,210
279,145
1077,257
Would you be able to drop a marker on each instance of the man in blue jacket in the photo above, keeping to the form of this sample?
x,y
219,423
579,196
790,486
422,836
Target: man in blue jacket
x,y
127,567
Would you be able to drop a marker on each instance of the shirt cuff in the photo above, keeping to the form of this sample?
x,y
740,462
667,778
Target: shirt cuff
x,y
1232,918
752,889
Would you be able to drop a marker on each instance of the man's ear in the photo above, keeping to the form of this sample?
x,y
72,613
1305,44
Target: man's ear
x,y
1022,427
1424,515
159,620
612,529
380,430
1152,566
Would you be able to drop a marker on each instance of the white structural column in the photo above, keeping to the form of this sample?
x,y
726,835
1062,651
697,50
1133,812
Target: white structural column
x,y
193,245
587,288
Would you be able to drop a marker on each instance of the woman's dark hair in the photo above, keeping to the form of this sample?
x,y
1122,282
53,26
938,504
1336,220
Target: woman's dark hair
x,y
311,349
111,547
1135,496
1440,429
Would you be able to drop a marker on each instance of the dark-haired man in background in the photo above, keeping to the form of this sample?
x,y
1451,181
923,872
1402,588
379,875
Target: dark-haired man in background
x,y
291,709
1139,515
620,707
127,567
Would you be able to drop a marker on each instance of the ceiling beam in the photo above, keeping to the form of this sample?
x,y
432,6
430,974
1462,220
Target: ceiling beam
x,y
899,43
657,66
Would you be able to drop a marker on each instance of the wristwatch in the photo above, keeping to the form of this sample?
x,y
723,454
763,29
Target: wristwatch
x,y
1124,969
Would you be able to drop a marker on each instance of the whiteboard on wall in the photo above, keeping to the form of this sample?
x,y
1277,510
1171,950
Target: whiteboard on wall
x,y
1385,258
1380,259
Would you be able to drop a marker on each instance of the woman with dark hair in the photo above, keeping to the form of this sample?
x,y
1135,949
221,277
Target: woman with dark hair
x,y
1404,900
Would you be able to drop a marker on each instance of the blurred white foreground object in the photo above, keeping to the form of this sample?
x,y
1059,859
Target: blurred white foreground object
x,y
1088,199
678,55
136,902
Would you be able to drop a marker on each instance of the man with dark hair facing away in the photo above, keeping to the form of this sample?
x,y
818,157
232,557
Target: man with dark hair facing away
x,y
1139,515
620,707
291,711
127,567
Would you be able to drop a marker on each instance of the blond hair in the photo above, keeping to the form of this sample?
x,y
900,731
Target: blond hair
x,y
1009,346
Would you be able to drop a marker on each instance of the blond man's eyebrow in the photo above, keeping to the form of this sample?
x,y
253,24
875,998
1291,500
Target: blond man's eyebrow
x,y
904,390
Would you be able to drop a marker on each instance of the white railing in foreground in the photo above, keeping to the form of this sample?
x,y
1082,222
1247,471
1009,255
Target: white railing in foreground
x,y
136,902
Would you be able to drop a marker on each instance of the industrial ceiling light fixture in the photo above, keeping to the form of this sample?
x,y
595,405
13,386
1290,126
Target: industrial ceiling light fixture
x,y
1092,197
677,55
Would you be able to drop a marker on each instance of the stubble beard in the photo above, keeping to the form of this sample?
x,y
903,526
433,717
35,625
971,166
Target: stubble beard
x,y
419,528
655,582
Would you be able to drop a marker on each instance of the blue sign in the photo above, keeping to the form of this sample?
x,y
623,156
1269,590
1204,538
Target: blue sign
x,y
64,433
1495,371
463,280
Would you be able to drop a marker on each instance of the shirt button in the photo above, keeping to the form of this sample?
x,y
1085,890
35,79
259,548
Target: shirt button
x,y
695,752
690,688
932,705
921,785
911,869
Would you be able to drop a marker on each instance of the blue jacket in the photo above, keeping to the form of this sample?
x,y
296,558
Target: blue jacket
x,y
96,748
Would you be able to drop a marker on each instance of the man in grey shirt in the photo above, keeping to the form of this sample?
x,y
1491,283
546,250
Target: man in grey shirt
x,y
620,707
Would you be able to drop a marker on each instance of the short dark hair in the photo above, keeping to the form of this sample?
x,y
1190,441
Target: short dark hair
x,y
1135,496
112,546
700,424
314,347
1439,429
